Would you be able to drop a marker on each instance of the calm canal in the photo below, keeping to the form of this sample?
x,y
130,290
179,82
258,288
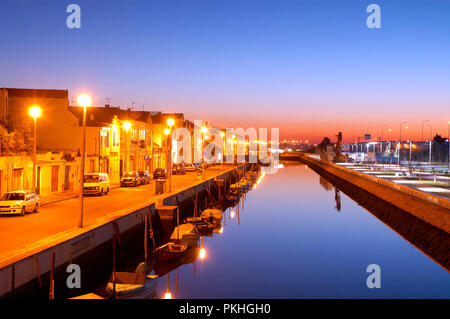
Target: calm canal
x,y
293,239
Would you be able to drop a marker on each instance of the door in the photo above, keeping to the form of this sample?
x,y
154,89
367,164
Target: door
x,y
55,170
66,177
17,179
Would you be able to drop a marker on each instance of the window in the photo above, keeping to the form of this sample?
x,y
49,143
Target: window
x,y
13,196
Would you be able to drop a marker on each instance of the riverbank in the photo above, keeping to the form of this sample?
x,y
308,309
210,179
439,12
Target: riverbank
x,y
429,208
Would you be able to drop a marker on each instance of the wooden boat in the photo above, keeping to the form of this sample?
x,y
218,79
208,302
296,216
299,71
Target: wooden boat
x,y
236,187
89,296
212,215
162,268
231,197
133,285
169,251
194,220
206,228
185,233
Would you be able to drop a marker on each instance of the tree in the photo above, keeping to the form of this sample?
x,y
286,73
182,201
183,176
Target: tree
x,y
16,141
325,142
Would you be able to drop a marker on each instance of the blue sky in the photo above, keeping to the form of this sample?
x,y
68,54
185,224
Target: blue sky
x,y
310,67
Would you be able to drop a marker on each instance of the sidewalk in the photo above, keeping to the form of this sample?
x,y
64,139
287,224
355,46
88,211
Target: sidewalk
x,y
57,197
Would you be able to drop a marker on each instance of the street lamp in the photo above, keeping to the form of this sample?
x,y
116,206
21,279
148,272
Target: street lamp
x,y
448,142
204,130
35,112
222,135
127,126
423,122
168,132
400,141
84,101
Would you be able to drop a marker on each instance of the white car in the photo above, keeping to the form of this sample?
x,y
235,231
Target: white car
x,y
190,167
19,202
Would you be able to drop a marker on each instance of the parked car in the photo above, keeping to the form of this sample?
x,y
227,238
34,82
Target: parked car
x,y
131,178
190,167
160,173
19,202
96,184
178,169
145,177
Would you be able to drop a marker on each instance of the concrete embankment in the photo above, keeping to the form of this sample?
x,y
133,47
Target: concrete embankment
x,y
26,273
429,208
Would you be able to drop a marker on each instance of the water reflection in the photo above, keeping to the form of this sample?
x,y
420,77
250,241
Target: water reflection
x,y
292,244
290,229
337,198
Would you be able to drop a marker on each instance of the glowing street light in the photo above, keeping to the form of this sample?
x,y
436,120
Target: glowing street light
x,y
35,112
170,122
126,125
84,101
204,130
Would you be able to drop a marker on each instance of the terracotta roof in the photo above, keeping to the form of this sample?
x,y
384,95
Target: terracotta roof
x,y
55,94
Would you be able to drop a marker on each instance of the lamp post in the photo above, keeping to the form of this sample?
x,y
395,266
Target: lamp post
x,y
400,141
423,122
448,142
127,126
222,135
84,101
168,132
35,111
204,131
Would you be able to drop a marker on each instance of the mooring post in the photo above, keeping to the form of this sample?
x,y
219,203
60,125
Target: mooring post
x,y
52,277
38,272
13,278
176,282
151,227
114,265
145,237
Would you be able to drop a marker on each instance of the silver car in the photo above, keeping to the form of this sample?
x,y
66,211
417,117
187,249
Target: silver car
x,y
19,202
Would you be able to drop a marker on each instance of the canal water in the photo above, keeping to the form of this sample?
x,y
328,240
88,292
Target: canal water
x,y
296,237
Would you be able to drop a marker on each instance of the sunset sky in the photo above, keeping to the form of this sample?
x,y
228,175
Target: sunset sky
x,y
311,67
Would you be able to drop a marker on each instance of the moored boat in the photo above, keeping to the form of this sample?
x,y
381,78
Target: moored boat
x,y
212,215
169,251
185,233
133,285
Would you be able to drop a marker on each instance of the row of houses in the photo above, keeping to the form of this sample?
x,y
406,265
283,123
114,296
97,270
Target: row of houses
x,y
117,140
